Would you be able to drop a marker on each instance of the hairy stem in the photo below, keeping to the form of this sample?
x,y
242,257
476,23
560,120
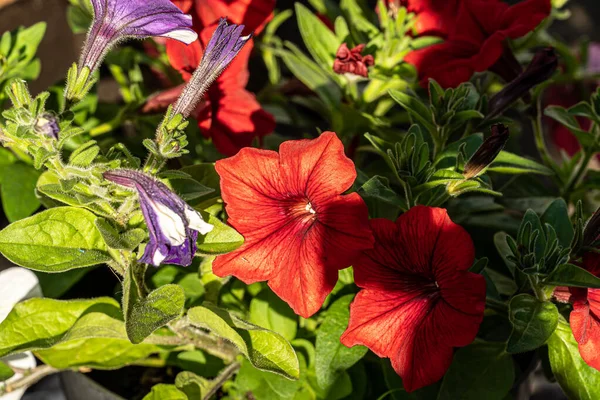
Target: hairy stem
x,y
223,377
32,376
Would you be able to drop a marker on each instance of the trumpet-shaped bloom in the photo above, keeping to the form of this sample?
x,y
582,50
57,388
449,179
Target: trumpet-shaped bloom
x,y
476,40
172,224
115,20
418,299
299,228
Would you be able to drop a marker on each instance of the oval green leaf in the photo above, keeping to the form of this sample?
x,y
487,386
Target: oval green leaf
x,y
576,378
54,240
332,357
266,350
533,322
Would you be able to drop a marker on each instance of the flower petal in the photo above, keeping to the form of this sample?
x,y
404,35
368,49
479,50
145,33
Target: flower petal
x,y
585,323
317,167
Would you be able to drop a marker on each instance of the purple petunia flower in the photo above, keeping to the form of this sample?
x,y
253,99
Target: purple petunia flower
x,y
225,43
173,225
115,20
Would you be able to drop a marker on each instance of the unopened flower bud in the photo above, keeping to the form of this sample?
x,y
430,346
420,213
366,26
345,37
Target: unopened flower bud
x,y
541,68
487,152
225,43
47,125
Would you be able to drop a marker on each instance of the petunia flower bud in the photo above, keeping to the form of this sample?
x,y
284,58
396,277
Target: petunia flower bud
x,y
487,152
540,69
225,43
116,20
172,224
352,61
47,124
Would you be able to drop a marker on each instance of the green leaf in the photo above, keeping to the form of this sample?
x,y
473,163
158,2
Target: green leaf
x,y
479,371
194,386
572,275
380,198
270,312
144,315
96,352
577,379
557,216
417,110
189,189
41,323
570,122
127,240
312,76
54,240
320,41
18,183
266,350
264,385
6,372
163,391
509,163
222,239
332,357
533,322
85,154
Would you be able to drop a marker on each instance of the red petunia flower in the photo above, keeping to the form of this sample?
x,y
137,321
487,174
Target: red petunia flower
x,y
476,40
434,17
585,317
585,323
254,14
418,299
352,61
299,229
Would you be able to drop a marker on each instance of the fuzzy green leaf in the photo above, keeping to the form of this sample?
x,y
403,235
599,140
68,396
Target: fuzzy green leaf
x,y
266,350
533,323
54,240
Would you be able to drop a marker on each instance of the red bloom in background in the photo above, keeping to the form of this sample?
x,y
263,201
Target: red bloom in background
x,y
229,114
434,17
352,61
418,299
299,229
476,40
585,317
251,13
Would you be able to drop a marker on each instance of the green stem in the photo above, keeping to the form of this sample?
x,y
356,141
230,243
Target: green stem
x,y
538,133
223,377
499,306
539,291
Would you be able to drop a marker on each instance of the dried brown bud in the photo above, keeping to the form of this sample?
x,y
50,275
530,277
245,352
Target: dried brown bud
x,y
487,152
591,232
352,61
541,68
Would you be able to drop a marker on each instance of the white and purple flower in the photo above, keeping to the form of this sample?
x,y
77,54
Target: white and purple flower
x,y
116,20
173,225
225,43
